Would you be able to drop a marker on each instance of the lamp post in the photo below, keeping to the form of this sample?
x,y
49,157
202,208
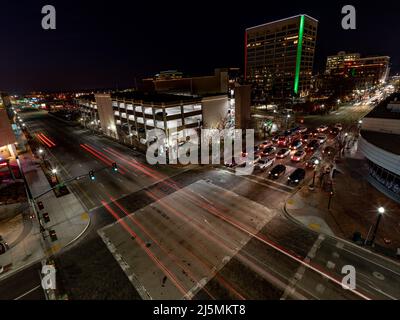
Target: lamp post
x,y
381,212
287,121
315,171
312,186
330,199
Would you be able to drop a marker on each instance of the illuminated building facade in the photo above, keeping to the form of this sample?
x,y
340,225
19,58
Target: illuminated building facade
x,y
279,57
364,72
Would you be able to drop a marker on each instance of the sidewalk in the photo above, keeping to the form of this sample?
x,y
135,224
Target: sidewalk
x,y
353,207
67,217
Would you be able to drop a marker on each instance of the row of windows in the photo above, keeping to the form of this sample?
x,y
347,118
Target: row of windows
x,y
386,178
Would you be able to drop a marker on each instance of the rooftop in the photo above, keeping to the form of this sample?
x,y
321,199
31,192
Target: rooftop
x,y
282,20
385,141
152,97
87,97
382,111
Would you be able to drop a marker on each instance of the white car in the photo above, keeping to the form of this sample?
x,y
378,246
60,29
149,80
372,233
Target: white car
x,y
265,162
283,153
338,126
322,128
322,138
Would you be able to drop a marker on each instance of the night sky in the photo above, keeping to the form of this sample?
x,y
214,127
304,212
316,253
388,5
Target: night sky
x,y
107,44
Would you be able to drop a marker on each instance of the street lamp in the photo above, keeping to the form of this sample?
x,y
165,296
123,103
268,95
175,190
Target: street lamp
x,y
287,121
381,212
316,163
330,199
54,171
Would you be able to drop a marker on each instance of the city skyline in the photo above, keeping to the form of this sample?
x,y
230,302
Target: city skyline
x,y
78,50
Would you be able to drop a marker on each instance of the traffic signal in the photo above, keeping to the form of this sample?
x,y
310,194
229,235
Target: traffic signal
x,y
40,205
91,175
114,167
53,235
46,217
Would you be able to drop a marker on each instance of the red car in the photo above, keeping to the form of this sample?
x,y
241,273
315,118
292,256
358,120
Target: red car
x,y
283,141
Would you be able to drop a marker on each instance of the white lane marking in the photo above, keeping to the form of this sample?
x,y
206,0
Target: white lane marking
x,y
263,184
28,292
371,261
382,292
302,269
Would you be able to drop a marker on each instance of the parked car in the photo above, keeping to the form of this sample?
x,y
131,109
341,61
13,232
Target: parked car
x,y
322,128
275,139
298,156
283,141
296,144
297,176
334,131
265,162
338,126
277,171
233,163
312,146
303,129
266,144
306,137
322,138
268,151
283,153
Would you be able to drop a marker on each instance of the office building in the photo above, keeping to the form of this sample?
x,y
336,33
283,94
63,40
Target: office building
x,y
339,61
380,144
279,58
7,137
363,72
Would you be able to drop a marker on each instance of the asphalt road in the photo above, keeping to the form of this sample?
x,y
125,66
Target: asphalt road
x,y
24,285
273,264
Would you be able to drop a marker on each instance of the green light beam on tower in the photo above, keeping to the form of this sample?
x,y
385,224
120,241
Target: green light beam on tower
x,y
298,59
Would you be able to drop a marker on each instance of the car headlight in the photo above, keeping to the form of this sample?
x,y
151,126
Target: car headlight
x,y
276,174
297,181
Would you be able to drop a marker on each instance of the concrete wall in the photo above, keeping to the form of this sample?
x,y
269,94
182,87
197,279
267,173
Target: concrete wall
x,y
215,109
380,157
381,125
242,107
197,85
106,114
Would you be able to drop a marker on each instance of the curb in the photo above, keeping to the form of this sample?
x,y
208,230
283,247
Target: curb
x,y
337,238
80,234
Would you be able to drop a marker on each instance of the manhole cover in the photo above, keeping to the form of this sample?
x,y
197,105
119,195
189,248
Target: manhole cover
x,y
379,276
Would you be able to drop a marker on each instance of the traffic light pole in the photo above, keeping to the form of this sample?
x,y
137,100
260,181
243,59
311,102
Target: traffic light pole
x,y
91,173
